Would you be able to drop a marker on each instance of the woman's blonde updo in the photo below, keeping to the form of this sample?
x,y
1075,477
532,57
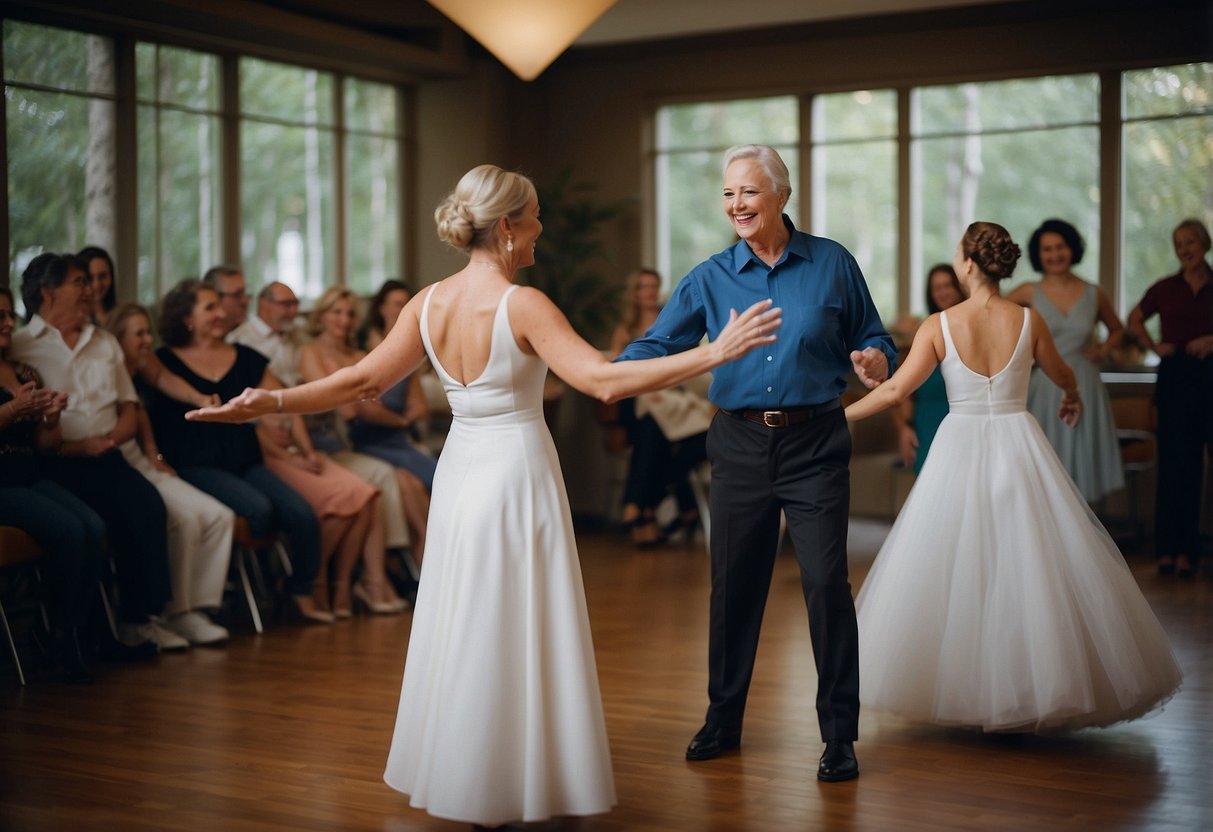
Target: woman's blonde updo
x,y
467,218
990,246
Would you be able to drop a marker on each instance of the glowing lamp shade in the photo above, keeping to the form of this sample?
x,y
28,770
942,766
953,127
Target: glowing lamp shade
x,y
525,35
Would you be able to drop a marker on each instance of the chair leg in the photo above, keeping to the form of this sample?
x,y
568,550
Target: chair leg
x,y
109,610
12,647
249,596
283,558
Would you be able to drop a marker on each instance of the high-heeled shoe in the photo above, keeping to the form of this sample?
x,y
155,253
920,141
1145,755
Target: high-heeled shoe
x,y
343,607
379,607
306,607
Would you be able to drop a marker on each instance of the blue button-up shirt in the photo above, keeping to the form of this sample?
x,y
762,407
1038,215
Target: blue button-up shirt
x,y
827,312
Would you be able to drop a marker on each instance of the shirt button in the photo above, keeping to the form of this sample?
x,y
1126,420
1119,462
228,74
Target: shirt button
x,y
770,358
769,389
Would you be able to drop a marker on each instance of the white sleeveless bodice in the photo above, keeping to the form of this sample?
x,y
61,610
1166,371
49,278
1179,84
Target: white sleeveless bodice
x,y
1002,394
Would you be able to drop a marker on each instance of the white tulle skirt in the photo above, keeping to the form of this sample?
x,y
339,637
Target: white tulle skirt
x,y
998,600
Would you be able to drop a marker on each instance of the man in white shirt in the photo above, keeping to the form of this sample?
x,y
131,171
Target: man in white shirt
x,y
77,358
272,332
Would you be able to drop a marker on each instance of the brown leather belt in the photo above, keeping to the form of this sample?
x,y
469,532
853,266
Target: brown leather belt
x,y
785,418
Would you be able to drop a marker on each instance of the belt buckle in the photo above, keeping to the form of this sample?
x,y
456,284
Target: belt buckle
x,y
775,418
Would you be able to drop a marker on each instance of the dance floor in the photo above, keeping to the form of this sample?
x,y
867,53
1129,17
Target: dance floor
x,y
289,730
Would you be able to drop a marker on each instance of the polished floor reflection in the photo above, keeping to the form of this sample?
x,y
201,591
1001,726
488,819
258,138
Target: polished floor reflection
x,y
289,730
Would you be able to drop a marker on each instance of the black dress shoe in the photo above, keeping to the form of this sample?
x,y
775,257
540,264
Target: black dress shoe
x,y
838,762
712,741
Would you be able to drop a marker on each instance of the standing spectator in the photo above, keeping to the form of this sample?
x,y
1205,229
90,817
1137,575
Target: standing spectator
x,y
1184,394
918,417
1071,307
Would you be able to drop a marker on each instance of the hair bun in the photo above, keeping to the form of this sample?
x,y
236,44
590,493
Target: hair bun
x,y
455,222
992,249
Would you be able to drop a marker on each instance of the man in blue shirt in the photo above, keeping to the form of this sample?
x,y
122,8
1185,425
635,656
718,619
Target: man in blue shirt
x,y
780,443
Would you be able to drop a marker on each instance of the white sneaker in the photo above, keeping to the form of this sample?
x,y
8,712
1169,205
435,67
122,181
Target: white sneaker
x,y
153,631
196,628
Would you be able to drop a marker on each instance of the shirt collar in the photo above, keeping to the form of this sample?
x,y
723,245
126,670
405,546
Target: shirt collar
x,y
38,327
797,244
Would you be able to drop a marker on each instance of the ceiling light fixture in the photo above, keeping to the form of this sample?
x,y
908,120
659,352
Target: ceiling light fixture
x,y
525,35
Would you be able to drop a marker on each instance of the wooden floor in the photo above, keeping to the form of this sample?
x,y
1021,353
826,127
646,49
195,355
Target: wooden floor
x,y
289,730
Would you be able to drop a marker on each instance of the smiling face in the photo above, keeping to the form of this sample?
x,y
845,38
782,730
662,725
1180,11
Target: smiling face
x,y
234,297
943,290
136,337
648,291
1189,248
278,308
100,277
751,203
69,303
340,319
8,322
207,319
1056,256
391,307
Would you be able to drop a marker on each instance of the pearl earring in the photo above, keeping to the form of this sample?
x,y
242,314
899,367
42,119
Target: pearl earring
x,y
509,244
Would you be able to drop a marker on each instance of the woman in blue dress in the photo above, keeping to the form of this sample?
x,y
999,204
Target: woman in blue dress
x,y
1071,307
918,418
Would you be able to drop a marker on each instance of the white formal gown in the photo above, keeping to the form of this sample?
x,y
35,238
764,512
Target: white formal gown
x,y
998,600
500,715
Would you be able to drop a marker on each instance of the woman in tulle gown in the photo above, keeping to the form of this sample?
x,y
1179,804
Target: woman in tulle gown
x,y
500,717
1071,307
998,601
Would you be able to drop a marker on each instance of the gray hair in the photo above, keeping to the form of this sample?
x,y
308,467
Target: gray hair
x,y
766,156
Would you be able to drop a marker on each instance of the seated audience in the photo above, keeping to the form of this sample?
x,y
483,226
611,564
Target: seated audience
x,y
228,283
662,455
100,268
332,324
384,428
69,530
199,526
75,357
225,461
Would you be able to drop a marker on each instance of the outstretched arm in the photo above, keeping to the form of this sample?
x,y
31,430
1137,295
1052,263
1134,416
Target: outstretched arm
x,y
172,385
400,353
924,355
547,331
1055,367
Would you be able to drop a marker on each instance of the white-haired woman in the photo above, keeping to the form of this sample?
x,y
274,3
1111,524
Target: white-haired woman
x,y
500,716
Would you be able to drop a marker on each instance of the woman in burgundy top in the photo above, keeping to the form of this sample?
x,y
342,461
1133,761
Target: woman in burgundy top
x,y
1184,394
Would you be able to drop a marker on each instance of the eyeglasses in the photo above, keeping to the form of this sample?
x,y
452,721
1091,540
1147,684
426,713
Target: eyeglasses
x,y
284,303
239,293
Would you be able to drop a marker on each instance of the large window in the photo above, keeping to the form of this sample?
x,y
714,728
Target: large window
x,y
854,189
1168,169
691,139
372,165
179,198
308,191
1012,152
59,117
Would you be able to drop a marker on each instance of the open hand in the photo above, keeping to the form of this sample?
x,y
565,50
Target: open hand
x,y
1201,347
907,446
250,404
752,328
871,366
1070,410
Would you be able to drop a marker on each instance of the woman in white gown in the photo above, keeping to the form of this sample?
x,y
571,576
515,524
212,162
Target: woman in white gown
x,y
500,717
998,601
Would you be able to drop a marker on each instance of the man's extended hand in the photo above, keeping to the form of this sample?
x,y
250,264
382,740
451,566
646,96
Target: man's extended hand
x,y
871,366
